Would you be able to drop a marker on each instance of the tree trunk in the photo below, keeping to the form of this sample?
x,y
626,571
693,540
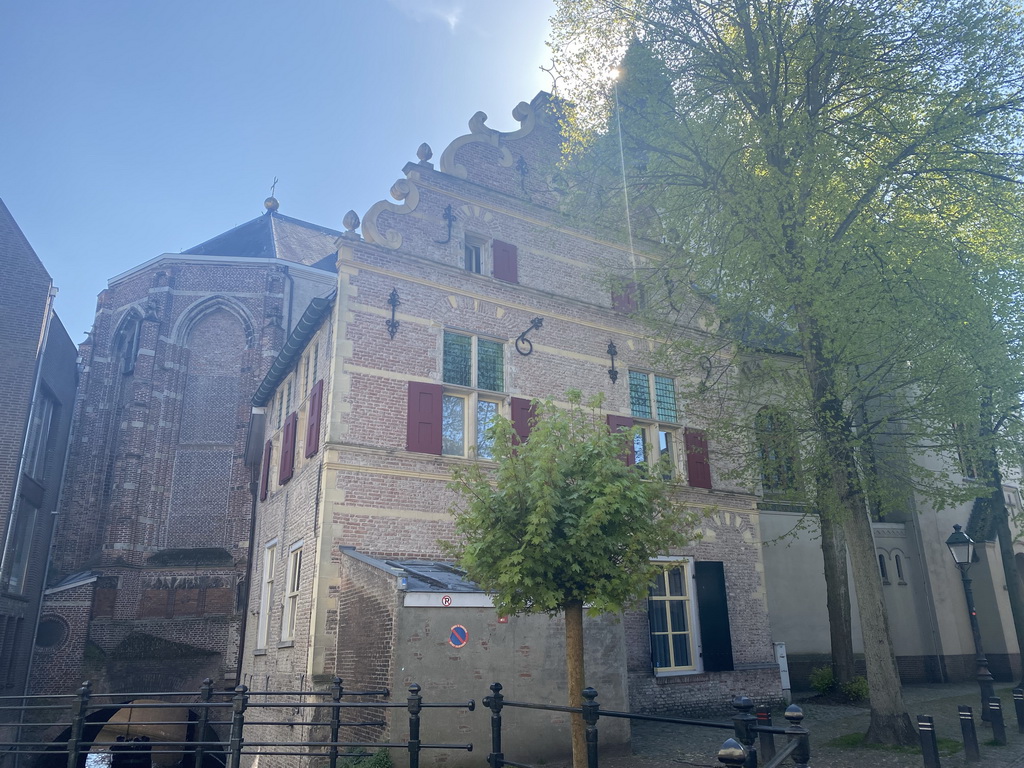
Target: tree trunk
x,y
890,723
574,672
837,595
1014,588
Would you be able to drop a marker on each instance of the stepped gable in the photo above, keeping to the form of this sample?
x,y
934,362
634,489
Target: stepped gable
x,y
273,236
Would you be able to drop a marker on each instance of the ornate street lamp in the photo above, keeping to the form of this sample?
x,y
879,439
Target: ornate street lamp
x,y
961,547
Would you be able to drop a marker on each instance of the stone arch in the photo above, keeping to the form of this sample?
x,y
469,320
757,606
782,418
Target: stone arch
x,y
209,425
191,317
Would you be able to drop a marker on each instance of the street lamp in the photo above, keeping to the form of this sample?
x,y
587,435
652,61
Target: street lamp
x,y
961,547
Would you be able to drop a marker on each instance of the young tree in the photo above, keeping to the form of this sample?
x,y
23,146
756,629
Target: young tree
x,y
561,522
843,171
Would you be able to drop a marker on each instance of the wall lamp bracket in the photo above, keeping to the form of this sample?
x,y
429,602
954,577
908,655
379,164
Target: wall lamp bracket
x,y
612,353
523,345
392,324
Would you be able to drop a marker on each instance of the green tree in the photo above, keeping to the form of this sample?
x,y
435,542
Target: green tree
x,y
561,522
842,171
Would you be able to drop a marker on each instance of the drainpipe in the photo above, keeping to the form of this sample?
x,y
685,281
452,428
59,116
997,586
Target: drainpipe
x,y
253,446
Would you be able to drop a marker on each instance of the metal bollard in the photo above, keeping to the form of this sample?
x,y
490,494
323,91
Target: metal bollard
x,y
970,734
995,709
235,742
765,741
337,691
929,745
1018,705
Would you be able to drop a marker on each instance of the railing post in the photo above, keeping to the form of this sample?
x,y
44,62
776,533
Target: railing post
x,y
78,712
205,696
1018,705
929,744
795,730
995,708
742,725
238,704
765,740
732,753
415,705
591,712
494,703
336,694
970,734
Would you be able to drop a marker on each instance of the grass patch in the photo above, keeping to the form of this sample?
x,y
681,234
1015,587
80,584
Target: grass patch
x,y
947,747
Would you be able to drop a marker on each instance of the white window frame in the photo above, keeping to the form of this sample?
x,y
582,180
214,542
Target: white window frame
x,y
481,264
645,448
293,578
266,594
474,444
691,613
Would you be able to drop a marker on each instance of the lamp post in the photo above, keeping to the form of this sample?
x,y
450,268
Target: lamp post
x,y
961,546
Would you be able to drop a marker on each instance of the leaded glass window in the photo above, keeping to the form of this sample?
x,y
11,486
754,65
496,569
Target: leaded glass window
x,y
652,399
478,366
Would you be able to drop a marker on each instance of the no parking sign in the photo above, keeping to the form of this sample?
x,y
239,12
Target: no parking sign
x,y
458,637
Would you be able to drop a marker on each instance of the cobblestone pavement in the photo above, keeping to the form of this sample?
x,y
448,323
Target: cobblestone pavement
x,y
657,745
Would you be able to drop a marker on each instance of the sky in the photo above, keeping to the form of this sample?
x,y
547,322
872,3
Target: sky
x,y
131,128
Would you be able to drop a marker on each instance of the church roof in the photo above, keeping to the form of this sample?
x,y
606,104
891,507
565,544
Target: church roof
x,y
273,236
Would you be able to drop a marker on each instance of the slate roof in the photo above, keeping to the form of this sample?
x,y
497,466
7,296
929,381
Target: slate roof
x,y
420,575
274,236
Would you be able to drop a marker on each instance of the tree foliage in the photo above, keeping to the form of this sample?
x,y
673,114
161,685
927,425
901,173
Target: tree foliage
x,y
561,518
562,522
841,182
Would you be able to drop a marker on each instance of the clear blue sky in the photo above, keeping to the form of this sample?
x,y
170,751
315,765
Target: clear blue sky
x,y
132,128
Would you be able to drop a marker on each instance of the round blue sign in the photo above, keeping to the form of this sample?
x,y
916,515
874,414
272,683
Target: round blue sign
x,y
459,636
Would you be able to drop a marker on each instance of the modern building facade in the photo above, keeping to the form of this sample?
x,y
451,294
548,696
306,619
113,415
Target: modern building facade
x,y
37,393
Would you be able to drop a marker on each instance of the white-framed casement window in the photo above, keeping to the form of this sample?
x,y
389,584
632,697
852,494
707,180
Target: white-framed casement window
x,y
655,410
476,254
688,611
291,595
266,593
670,611
474,378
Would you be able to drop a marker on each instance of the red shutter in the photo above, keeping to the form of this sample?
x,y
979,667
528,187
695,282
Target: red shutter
x,y
423,424
506,261
698,468
265,471
624,298
623,424
288,449
316,397
522,416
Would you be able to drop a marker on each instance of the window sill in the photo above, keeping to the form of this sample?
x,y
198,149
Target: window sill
x,y
260,652
286,644
659,673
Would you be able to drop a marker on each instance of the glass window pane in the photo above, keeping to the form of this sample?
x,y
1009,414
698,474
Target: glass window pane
x,y
665,397
679,616
640,447
639,395
676,583
458,356
490,361
658,586
453,426
681,650
659,651
657,616
667,453
485,413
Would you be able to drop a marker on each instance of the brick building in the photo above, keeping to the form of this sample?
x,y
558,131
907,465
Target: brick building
x,y
37,390
150,558
386,385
